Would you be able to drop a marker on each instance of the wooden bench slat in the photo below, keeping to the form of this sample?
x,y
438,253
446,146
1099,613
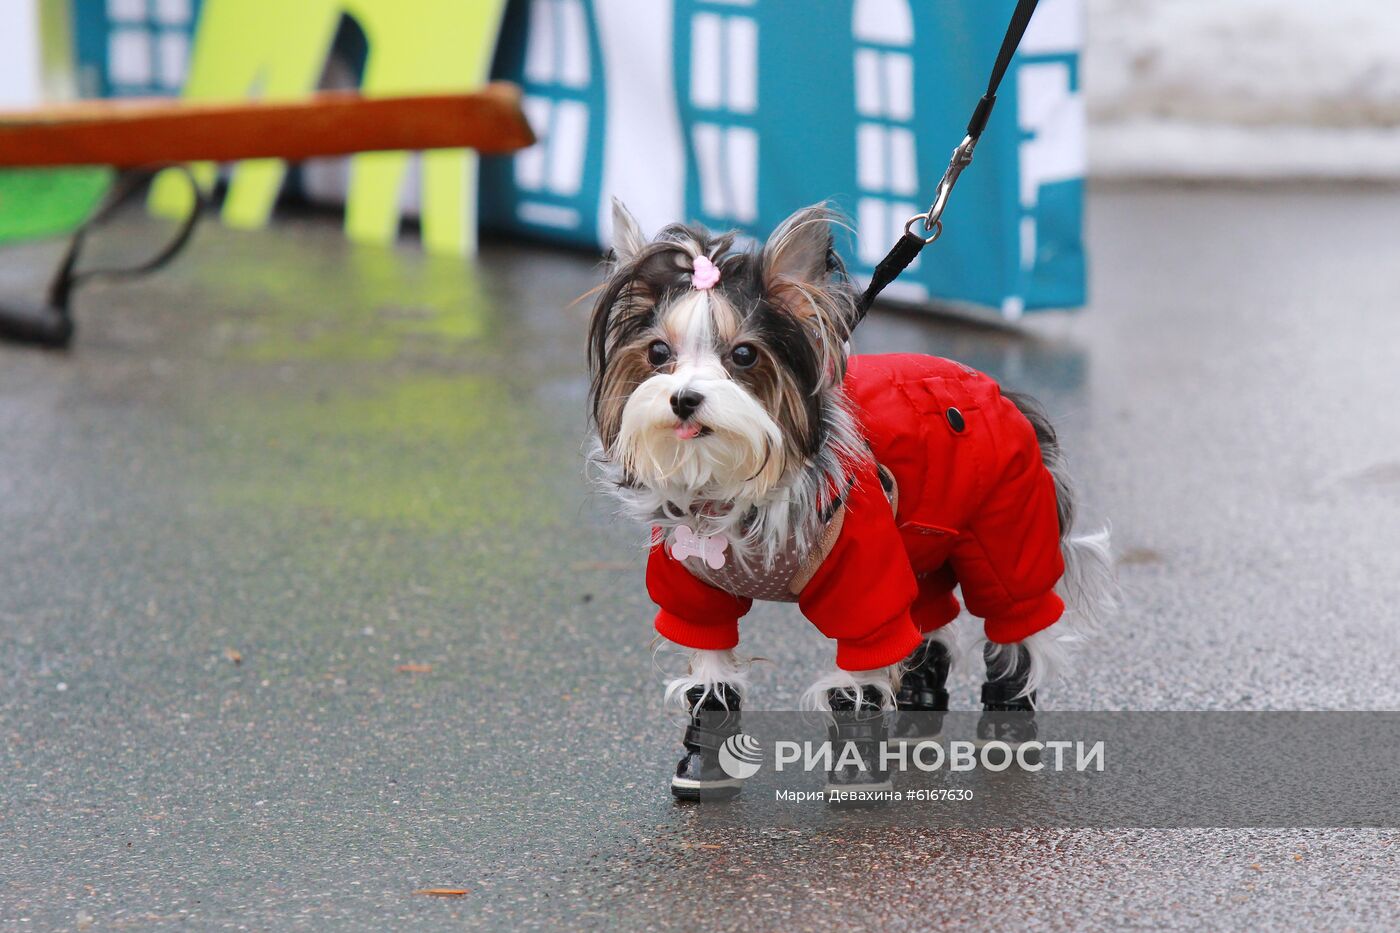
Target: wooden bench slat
x,y
135,133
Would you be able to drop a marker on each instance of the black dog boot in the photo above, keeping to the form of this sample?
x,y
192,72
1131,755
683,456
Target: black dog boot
x,y
858,734
714,718
923,696
1007,715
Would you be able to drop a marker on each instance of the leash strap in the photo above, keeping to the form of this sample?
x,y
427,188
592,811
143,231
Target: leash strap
x,y
67,278
50,324
912,243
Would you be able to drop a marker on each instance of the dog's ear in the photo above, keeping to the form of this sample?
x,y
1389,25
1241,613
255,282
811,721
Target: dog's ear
x,y
803,276
627,237
800,254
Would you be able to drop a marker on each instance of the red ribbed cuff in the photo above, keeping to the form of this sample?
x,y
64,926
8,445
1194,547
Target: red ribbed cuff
x,y
711,636
1025,619
888,644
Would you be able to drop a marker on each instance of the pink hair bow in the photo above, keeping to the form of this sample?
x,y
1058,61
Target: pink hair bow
x,y
706,274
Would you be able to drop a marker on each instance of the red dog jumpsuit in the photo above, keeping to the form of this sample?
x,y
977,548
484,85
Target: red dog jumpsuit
x,y
976,507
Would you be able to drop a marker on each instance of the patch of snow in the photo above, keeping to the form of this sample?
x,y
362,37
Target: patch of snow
x,y
1263,88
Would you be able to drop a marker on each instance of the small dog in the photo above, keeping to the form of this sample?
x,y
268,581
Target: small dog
x,y
770,464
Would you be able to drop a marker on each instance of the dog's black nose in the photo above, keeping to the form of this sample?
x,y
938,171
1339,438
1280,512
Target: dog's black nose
x,y
685,402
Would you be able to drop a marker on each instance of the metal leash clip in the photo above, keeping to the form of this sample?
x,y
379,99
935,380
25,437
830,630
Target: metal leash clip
x,y
932,218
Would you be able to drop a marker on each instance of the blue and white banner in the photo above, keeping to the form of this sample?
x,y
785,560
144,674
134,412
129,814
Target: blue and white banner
x,y
736,112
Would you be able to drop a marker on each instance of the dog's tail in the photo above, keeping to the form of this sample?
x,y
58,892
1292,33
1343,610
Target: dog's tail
x,y
1089,586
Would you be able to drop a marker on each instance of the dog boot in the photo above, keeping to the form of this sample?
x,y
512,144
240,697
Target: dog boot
x,y
1007,715
858,734
714,718
923,696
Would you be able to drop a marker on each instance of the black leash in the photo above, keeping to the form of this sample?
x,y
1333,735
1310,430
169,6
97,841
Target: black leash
x,y
51,324
911,244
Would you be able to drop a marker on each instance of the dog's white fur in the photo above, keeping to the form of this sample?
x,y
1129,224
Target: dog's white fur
x,y
708,669
1089,588
760,515
849,684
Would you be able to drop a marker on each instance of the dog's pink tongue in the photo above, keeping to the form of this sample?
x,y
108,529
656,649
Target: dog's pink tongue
x,y
687,431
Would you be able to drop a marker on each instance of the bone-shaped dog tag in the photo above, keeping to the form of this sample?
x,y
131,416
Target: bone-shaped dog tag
x,y
709,548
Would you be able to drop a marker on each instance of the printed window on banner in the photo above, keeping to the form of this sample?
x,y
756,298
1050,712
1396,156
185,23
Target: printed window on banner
x,y
890,22
724,92
885,84
887,172
558,71
148,46
1050,113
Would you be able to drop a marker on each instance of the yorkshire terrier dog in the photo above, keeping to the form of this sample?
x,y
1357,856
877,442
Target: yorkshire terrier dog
x,y
770,464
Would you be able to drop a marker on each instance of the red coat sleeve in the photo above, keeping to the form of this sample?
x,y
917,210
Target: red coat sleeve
x,y
1008,560
862,592
693,613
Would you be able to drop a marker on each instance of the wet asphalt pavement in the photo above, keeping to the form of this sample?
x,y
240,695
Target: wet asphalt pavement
x,y
305,604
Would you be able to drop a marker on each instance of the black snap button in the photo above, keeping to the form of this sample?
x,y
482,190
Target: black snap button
x,y
955,420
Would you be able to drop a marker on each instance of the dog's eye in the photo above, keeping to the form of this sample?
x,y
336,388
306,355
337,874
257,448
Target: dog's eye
x,y
744,355
659,353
